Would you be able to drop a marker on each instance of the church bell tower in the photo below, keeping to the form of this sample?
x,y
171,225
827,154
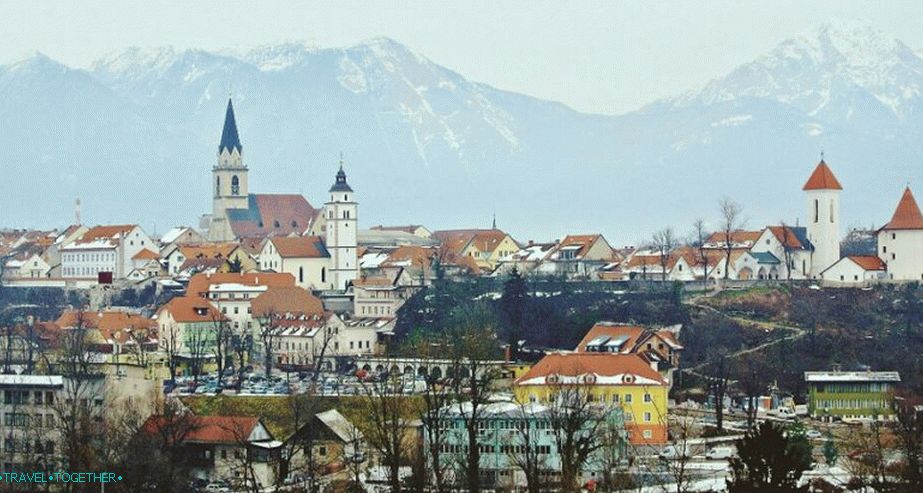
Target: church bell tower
x,y
342,221
229,179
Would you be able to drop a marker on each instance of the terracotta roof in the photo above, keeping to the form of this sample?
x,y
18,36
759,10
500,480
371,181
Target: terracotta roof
x,y
600,364
410,228
868,262
300,246
210,250
292,300
632,333
105,232
907,215
279,214
192,309
415,256
584,241
373,282
252,245
112,325
456,240
199,283
790,237
209,429
737,236
822,179
146,254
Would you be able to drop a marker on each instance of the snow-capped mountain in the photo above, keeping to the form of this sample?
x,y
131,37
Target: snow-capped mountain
x,y
135,137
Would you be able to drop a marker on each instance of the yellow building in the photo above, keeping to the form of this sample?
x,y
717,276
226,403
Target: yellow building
x,y
624,380
485,247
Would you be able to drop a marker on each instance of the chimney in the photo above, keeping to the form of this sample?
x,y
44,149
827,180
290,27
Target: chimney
x,y
531,243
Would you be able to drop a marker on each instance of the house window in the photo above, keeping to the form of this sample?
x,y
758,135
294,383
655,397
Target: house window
x,y
647,417
301,274
893,236
628,398
648,434
322,451
884,249
893,256
647,398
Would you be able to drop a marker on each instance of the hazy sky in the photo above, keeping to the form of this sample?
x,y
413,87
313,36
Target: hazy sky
x,y
606,57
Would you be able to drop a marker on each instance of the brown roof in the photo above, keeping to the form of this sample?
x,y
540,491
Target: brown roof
x,y
300,246
410,228
111,324
822,179
192,309
868,262
373,282
600,364
417,256
252,245
737,236
585,241
209,429
279,214
199,283
209,250
146,254
786,236
293,300
105,232
907,215
454,241
634,334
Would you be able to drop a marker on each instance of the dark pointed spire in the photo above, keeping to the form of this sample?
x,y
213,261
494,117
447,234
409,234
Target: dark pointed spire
x,y
229,138
340,185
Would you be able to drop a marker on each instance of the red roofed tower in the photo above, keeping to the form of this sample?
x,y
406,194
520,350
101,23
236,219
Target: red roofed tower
x,y
899,241
822,191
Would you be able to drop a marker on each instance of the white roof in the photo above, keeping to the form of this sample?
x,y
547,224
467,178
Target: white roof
x,y
852,376
339,425
32,380
172,234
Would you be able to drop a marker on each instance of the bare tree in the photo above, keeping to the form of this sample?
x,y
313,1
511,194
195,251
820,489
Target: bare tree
x,y
664,242
269,321
788,250
524,451
200,346
388,414
172,344
718,382
577,423
221,329
699,237
731,221
437,397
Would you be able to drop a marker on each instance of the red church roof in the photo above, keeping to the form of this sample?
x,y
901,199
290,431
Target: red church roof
x,y
822,179
907,215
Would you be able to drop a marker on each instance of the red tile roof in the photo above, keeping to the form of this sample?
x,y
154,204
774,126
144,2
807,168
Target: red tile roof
x,y
272,214
207,429
634,334
868,262
300,246
600,364
822,179
199,283
111,324
786,236
281,300
146,254
192,309
907,215
105,232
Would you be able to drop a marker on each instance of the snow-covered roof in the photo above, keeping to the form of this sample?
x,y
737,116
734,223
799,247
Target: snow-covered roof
x,y
32,380
852,376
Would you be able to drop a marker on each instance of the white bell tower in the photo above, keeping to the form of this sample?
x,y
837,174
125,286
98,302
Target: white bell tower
x,y
822,191
342,220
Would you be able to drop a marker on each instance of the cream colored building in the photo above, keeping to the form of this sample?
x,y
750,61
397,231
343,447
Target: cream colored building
x,y
901,241
304,257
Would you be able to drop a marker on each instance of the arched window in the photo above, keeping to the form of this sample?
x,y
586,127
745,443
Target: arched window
x,y
235,185
301,274
217,185
816,210
323,274
275,224
294,224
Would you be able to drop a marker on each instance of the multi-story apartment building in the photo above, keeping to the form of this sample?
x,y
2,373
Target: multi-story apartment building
x,y
29,436
103,253
858,395
511,433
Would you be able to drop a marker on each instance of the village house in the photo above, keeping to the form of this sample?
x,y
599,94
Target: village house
x,y
384,294
855,270
305,257
103,253
851,395
485,247
577,256
623,380
112,332
659,347
237,449
414,229
178,236
188,327
526,260
232,293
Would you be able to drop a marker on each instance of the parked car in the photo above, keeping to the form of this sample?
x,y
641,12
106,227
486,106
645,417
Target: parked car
x,y
719,453
813,434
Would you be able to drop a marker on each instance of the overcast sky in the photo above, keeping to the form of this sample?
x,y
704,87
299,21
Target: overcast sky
x,y
605,57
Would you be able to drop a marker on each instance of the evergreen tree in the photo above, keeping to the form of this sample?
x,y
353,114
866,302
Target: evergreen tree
x,y
829,451
769,461
513,309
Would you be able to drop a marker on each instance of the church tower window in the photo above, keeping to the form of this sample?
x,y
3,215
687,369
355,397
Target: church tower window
x,y
217,185
235,185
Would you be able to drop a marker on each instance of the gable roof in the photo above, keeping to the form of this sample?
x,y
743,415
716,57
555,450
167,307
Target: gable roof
x,y
738,237
101,236
455,241
609,369
112,325
300,246
146,254
822,179
868,262
291,299
582,243
191,309
200,284
907,214
277,214
792,237
210,429
632,334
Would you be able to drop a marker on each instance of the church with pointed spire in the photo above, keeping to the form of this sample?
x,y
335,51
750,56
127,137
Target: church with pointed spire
x,y
239,215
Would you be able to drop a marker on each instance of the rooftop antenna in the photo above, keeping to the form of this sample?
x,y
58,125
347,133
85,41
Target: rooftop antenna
x,y
77,212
